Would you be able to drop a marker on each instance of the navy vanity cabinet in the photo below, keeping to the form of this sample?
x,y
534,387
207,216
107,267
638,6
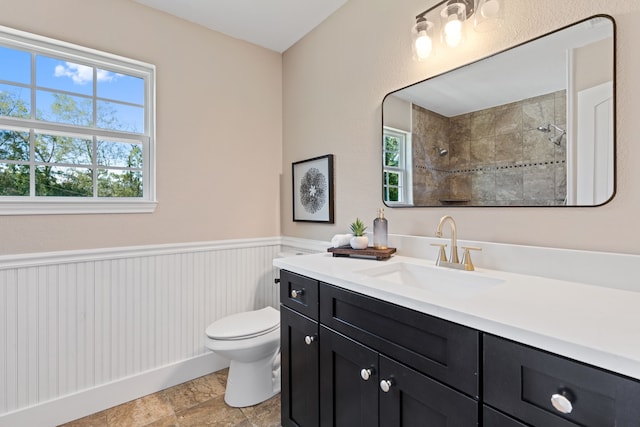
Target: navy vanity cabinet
x,y
385,365
349,359
300,376
522,382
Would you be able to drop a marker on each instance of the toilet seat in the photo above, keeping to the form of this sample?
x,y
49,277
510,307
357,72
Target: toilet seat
x,y
245,325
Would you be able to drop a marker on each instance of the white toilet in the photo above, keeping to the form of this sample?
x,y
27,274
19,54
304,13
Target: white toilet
x,y
251,341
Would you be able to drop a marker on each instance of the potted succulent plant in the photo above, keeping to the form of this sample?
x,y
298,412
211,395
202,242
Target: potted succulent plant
x,y
359,239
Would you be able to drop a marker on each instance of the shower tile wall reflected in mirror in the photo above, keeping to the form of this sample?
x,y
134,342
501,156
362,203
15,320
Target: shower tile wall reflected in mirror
x,y
499,156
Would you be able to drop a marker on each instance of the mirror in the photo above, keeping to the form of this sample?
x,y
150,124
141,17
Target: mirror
x,y
530,126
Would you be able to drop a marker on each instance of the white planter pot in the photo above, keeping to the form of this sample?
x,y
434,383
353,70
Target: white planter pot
x,y
360,242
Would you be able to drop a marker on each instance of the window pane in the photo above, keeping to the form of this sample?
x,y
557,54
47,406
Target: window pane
x,y
394,195
60,108
391,159
15,101
120,87
115,116
391,187
391,143
15,65
62,75
14,145
57,181
14,180
120,154
393,178
113,183
63,149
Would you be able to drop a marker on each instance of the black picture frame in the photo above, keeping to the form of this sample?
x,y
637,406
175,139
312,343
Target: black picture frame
x,y
312,186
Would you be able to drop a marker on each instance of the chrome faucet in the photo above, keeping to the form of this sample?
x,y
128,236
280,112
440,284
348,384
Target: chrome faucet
x,y
453,261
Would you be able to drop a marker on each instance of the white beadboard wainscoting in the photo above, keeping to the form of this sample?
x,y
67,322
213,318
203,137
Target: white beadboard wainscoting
x,y
85,330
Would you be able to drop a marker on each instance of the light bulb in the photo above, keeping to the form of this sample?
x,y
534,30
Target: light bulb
x,y
490,9
424,44
453,32
452,18
490,15
422,35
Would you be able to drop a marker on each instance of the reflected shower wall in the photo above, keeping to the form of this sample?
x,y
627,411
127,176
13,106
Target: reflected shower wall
x,y
496,156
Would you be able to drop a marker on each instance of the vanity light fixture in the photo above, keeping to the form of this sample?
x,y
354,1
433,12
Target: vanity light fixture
x,y
453,18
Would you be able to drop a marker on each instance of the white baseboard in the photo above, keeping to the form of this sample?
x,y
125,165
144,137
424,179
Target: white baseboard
x,y
83,403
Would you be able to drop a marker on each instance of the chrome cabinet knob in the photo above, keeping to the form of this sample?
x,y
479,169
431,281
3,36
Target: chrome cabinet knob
x,y
365,374
295,293
385,385
562,403
309,339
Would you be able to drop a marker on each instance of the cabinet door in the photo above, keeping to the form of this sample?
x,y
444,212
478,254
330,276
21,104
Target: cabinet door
x,y
416,400
300,377
492,418
349,387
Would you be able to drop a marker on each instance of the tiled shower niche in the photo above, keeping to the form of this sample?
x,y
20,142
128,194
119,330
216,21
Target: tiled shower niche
x,y
496,156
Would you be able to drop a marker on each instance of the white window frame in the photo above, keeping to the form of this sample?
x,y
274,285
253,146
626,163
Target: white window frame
x,y
33,205
403,169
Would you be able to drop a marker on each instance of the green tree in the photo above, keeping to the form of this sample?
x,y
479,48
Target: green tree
x,y
14,146
59,175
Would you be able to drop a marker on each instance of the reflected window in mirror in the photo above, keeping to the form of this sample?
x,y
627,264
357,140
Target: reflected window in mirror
x,y
397,167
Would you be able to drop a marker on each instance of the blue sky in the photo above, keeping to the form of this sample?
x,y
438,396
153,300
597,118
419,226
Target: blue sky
x,y
59,75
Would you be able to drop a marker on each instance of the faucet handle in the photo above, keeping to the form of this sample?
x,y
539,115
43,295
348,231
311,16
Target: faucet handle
x,y
442,255
466,257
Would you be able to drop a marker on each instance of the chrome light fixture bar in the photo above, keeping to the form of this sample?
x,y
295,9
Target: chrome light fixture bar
x,y
451,18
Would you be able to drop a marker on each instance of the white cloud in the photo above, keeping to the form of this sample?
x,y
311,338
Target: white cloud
x,y
81,74
105,76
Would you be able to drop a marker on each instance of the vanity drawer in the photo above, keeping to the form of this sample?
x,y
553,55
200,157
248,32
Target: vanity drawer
x,y
521,381
299,293
440,349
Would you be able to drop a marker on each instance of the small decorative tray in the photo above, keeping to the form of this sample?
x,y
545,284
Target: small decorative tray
x,y
378,254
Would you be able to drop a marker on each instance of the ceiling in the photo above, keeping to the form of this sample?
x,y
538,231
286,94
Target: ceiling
x,y
534,68
273,24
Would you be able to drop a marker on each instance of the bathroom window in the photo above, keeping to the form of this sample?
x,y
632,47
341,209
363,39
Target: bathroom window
x,y
397,164
76,129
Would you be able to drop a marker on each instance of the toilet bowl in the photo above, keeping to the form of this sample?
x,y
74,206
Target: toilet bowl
x,y
251,342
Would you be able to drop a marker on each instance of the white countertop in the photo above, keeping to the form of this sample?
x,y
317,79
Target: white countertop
x,y
592,324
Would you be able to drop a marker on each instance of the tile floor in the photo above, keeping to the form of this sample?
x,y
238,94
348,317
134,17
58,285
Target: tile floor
x,y
198,402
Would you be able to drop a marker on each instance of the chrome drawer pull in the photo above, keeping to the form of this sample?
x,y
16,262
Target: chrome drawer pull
x,y
385,385
295,293
561,403
309,339
365,374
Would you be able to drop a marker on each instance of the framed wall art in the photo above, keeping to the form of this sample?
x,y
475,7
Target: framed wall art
x,y
313,189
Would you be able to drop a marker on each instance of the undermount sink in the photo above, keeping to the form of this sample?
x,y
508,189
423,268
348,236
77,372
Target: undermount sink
x,y
439,280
